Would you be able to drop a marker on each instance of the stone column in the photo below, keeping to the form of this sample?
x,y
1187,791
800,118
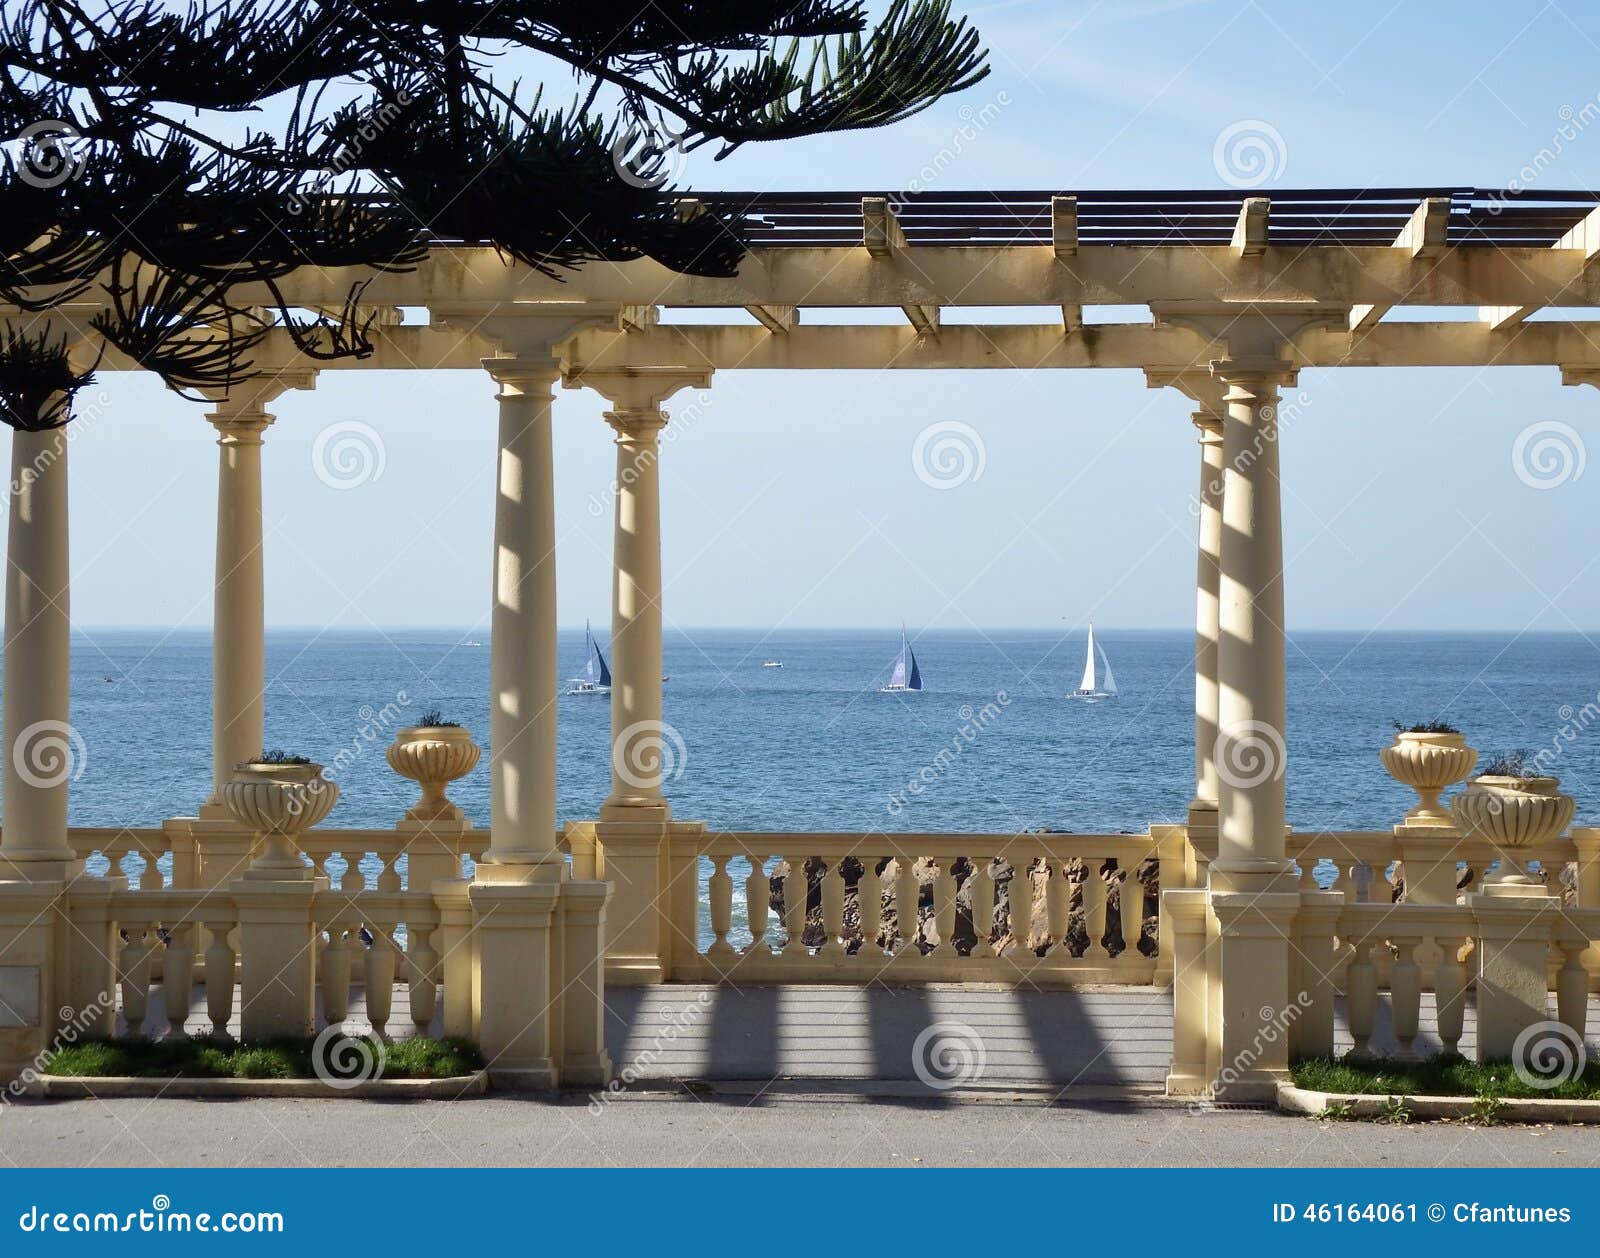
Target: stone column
x,y
1203,810
635,835
43,752
1250,748
523,678
238,635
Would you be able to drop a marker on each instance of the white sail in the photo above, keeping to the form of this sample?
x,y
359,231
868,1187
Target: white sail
x,y
1087,685
1111,678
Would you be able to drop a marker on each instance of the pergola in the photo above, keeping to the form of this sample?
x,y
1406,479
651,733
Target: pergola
x,y
1243,292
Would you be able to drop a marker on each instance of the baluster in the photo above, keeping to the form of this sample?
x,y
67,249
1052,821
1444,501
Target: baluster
x,y
869,904
1572,986
135,979
388,875
219,978
944,909
1057,908
1130,907
335,975
1019,906
1361,995
1450,991
422,961
150,878
380,978
795,891
721,892
1346,881
832,909
983,906
757,900
1405,993
177,982
906,894
1307,864
1094,907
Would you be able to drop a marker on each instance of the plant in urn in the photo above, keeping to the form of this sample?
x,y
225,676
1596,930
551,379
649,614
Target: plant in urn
x,y
1428,758
434,753
279,797
1514,807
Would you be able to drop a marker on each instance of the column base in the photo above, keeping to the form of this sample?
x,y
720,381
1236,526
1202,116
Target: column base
x,y
538,1076
277,956
42,867
651,862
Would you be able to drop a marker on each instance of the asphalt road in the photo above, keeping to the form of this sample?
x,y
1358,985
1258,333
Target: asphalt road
x,y
741,1129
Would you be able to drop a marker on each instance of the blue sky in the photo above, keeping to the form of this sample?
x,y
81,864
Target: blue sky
x,y
792,501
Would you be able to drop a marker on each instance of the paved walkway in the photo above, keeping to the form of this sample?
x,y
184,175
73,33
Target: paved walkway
x,y
779,1128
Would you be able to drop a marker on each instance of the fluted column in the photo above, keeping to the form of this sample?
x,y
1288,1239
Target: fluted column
x,y
1207,574
238,641
1250,650
522,647
43,752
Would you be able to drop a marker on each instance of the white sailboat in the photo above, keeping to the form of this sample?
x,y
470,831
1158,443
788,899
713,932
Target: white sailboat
x,y
596,678
1096,685
906,677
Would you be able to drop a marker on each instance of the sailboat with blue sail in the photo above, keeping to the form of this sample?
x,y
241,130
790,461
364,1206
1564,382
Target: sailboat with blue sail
x,y
906,677
1096,684
596,678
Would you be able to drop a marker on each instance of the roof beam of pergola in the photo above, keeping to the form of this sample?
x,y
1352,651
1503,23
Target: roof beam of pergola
x,y
1130,346
1423,237
885,240
1585,236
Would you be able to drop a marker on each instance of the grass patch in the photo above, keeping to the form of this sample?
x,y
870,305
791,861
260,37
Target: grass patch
x,y
206,1058
1440,1076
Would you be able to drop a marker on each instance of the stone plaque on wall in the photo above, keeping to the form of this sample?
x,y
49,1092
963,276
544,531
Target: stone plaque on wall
x,y
19,996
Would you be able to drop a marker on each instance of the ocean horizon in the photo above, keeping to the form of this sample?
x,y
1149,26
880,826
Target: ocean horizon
x,y
815,745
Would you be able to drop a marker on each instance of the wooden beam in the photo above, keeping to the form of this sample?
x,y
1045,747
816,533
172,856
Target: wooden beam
x,y
775,318
1425,235
1064,226
1250,232
1584,235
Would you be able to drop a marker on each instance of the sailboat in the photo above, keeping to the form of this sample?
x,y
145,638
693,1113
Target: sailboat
x,y
1093,688
907,677
596,679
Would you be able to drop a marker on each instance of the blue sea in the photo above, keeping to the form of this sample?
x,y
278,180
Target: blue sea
x,y
815,746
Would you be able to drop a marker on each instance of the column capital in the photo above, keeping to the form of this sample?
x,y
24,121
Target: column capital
x,y
634,389
242,428
637,423
1255,372
1210,425
518,375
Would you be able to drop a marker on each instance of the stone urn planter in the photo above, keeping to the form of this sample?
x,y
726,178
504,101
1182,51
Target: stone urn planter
x,y
433,756
1513,813
279,800
1428,762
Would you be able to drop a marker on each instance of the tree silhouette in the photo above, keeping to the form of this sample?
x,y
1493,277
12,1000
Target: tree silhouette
x,y
172,163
